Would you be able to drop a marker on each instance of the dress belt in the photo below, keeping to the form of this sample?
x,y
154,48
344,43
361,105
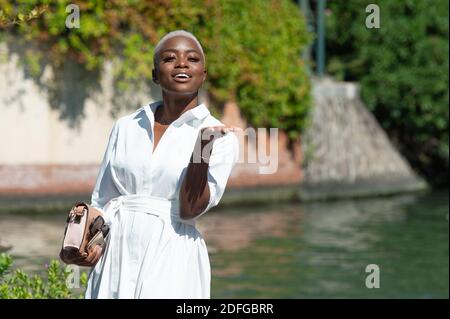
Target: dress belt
x,y
166,209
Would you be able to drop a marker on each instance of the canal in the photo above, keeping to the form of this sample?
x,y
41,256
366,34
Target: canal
x,y
297,250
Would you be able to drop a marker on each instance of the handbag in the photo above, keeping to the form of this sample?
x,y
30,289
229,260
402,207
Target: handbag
x,y
85,227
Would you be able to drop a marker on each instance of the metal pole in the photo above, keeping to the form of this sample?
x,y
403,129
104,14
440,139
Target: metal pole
x,y
304,6
321,38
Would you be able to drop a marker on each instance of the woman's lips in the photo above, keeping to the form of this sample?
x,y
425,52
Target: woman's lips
x,y
181,79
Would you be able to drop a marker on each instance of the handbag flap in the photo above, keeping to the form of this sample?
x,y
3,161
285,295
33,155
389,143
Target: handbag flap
x,y
75,230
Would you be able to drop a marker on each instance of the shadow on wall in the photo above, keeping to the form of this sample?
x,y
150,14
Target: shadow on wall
x,y
68,84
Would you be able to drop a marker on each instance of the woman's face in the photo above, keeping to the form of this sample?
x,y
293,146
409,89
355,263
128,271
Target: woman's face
x,y
179,66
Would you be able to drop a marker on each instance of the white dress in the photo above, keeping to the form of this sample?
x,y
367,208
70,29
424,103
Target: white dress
x,y
151,252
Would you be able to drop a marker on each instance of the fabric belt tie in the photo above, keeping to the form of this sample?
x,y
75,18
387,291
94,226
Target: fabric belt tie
x,y
167,210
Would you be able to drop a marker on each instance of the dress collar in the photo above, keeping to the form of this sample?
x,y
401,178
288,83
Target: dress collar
x,y
197,113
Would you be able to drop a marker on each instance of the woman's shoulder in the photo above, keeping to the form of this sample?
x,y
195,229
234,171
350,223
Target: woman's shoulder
x,y
211,120
134,116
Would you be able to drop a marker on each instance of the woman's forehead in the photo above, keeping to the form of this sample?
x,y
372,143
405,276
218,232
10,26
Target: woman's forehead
x,y
180,43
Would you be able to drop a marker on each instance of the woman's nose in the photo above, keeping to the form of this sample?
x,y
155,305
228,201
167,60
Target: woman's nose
x,y
182,63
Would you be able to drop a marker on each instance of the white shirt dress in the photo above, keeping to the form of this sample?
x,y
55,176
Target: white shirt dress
x,y
151,252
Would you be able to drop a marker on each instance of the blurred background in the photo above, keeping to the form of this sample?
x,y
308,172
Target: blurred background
x,y
358,207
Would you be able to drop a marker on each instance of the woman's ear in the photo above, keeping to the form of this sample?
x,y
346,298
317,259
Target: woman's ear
x,y
205,74
155,77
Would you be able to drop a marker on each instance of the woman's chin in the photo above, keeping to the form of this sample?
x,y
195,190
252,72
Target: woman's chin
x,y
180,89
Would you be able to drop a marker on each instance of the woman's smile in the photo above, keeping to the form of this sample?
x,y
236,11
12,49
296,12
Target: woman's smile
x,y
181,76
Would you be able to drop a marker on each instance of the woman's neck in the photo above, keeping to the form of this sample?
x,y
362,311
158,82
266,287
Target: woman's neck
x,y
174,106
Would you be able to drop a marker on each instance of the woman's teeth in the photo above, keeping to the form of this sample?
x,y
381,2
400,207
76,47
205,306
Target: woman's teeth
x,y
182,76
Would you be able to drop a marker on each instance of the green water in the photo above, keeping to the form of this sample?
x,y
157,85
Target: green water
x,y
314,250
324,249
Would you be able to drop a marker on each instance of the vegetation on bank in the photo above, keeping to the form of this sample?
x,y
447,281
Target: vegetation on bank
x,y
403,71
19,285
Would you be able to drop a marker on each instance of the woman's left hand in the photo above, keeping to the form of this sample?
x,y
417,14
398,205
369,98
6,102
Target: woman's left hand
x,y
208,134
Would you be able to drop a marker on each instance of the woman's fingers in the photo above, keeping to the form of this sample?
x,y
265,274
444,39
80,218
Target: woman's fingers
x,y
217,131
86,259
97,254
227,129
94,255
73,257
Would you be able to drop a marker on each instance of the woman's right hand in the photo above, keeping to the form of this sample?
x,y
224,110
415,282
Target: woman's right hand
x,y
88,259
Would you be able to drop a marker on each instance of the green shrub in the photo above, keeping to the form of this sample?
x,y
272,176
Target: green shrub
x,y
253,49
19,285
403,71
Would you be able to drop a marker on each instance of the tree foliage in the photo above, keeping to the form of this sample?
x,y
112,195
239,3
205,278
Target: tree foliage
x,y
253,48
403,71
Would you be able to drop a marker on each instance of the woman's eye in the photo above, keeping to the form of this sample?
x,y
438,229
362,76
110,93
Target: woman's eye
x,y
168,59
194,59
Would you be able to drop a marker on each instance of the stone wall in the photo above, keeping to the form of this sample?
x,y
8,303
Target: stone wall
x,y
346,152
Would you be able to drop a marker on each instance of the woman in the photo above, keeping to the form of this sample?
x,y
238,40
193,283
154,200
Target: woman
x,y
165,165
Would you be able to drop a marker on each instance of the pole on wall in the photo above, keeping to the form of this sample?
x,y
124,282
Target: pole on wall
x,y
320,52
306,10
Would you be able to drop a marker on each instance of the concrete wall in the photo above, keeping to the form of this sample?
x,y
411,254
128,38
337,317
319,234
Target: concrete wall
x,y
33,132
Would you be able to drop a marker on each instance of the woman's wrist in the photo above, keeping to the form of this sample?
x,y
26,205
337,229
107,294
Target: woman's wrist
x,y
202,149
202,158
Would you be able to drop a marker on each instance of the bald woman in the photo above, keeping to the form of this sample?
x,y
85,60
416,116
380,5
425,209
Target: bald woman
x,y
165,165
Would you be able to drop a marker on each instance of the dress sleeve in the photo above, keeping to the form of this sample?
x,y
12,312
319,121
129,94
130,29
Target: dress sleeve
x,y
224,155
105,189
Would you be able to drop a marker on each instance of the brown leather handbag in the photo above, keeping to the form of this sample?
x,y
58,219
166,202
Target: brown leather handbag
x,y
85,228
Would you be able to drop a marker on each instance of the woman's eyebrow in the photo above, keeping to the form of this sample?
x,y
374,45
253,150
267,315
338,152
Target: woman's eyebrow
x,y
175,50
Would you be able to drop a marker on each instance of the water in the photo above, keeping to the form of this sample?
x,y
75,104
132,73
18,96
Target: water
x,y
314,250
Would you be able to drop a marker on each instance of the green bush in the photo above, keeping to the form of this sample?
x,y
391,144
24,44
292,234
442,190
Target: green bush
x,y
403,71
253,49
19,285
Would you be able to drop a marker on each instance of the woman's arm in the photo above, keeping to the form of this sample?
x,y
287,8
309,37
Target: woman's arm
x,y
104,190
195,193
